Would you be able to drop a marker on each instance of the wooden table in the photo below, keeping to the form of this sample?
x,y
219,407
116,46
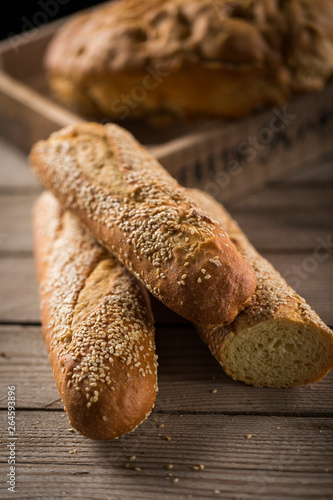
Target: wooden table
x,y
237,443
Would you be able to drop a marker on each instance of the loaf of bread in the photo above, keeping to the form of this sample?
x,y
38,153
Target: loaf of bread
x,y
190,58
97,326
138,212
278,340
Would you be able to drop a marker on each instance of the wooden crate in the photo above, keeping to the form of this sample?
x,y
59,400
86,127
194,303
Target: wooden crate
x,y
225,158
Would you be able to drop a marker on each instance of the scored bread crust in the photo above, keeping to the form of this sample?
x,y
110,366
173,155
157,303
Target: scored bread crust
x,y
137,211
191,58
277,340
97,325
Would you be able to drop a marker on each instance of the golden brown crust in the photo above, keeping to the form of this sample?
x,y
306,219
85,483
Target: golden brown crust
x,y
274,307
241,55
137,211
97,325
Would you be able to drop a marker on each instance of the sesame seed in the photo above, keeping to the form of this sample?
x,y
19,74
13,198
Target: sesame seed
x,y
216,262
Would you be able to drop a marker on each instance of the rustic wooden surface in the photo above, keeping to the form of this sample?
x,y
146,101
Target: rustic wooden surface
x,y
254,443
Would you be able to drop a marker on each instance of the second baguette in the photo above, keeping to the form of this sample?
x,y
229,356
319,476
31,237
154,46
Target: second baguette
x,y
278,340
97,326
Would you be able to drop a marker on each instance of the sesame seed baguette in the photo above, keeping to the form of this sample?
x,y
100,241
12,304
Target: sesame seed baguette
x,y
97,326
278,340
138,212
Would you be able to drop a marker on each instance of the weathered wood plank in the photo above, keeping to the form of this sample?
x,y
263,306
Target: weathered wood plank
x,y
16,223
188,374
273,219
285,197
283,231
317,172
290,218
299,444
19,299
310,276
284,457
14,168
107,482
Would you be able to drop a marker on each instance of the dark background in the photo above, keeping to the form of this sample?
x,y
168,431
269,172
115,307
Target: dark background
x,y
28,14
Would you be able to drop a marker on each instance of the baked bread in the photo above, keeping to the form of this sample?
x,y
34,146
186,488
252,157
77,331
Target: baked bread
x,y
97,325
190,58
138,212
278,340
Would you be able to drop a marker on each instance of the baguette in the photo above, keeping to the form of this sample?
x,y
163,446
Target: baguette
x,y
138,212
97,326
278,340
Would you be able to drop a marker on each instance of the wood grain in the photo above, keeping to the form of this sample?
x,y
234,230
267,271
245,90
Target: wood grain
x,y
281,198
317,173
278,459
285,232
14,169
290,225
19,300
106,482
16,223
188,375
